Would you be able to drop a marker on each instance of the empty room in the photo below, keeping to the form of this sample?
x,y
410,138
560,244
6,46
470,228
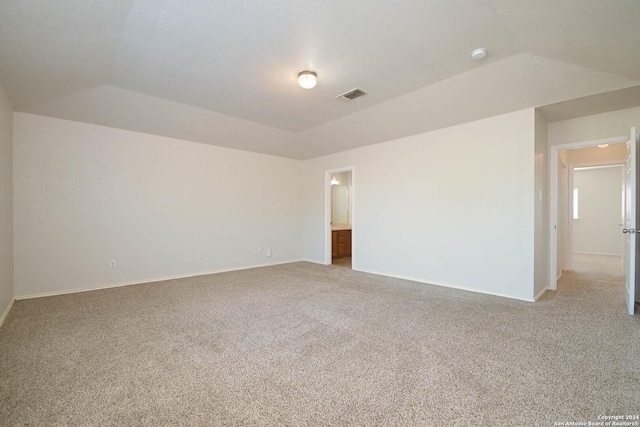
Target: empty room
x,y
219,213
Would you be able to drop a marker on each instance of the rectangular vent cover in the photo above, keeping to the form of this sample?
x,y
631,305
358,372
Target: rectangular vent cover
x,y
351,95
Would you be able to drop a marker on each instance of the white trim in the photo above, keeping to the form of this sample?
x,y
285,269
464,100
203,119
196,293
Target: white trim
x,y
597,165
327,211
447,285
564,225
591,143
553,198
157,279
570,208
537,297
596,253
553,218
6,312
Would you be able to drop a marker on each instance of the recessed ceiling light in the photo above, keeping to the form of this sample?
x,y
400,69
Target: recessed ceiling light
x,y
307,79
478,54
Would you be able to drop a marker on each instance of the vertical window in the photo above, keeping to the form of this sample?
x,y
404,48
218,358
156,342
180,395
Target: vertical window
x,y
575,204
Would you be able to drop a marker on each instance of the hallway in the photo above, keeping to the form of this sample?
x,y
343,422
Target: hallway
x,y
599,264
596,284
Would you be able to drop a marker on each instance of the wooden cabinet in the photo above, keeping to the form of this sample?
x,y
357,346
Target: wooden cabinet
x,y
334,244
341,243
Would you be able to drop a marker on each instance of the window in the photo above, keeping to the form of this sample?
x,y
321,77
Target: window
x,y
575,204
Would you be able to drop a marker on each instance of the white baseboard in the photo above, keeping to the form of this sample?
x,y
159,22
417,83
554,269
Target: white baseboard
x,y
316,262
448,285
596,253
184,276
6,312
152,280
537,297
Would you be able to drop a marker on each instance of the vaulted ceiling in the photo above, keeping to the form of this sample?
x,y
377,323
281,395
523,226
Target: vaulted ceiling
x,y
224,72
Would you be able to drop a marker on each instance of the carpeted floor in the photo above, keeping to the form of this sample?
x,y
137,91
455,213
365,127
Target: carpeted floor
x,y
607,264
304,344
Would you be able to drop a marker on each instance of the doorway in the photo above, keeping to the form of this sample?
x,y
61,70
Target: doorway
x,y
339,216
564,160
596,240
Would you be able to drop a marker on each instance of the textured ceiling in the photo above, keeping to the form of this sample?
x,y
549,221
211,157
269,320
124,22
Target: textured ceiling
x,y
224,72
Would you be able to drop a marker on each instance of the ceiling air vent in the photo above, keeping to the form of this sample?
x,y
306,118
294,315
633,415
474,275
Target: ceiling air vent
x,y
351,95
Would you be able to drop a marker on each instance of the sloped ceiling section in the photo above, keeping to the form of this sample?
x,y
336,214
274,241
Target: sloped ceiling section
x,y
224,72
594,104
112,106
512,84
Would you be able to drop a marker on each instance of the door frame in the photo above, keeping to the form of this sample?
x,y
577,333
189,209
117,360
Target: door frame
x,y
327,211
564,226
553,197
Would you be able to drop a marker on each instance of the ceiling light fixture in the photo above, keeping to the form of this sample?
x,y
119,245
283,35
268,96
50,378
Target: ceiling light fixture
x,y
603,145
478,54
307,79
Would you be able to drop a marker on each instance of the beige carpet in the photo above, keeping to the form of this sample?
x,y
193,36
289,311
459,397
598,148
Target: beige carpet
x,y
304,344
606,264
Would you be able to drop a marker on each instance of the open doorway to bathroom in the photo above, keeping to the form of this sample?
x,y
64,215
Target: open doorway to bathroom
x,y
341,201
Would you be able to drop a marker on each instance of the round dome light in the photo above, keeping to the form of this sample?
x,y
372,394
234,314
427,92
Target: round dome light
x,y
307,79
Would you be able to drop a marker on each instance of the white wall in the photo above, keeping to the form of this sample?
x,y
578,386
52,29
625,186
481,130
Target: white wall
x,y
597,126
600,211
6,205
541,258
564,250
464,194
86,194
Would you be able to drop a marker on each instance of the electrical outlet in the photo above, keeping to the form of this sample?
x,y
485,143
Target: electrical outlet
x,y
443,263
112,263
268,252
